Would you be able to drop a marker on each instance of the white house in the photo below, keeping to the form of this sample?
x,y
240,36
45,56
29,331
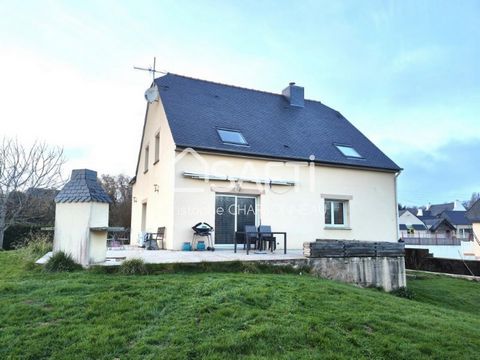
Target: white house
x,y
410,225
473,214
232,156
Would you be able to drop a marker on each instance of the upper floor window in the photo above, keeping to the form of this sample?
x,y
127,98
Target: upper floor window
x,y
348,151
157,148
231,137
336,212
147,150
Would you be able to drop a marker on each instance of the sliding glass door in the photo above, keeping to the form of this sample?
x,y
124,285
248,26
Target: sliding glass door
x,y
232,213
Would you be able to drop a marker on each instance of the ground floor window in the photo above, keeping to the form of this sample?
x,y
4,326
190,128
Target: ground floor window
x,y
336,212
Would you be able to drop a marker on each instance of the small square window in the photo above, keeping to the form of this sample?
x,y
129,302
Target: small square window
x,y
348,151
336,212
231,137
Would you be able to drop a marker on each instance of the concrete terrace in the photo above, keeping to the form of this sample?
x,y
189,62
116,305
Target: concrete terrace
x,y
115,257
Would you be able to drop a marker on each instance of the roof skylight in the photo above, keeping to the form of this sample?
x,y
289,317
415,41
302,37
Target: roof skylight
x,y
349,151
231,137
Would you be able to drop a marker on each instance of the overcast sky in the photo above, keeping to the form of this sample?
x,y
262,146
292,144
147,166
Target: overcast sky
x,y
406,73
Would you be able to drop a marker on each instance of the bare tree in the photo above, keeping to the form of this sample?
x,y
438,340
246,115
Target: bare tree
x,y
23,168
473,199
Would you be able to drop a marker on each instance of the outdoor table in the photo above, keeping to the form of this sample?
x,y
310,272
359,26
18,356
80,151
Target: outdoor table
x,y
272,233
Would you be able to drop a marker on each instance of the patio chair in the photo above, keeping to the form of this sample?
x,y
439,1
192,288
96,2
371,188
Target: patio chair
x,y
251,234
266,236
152,239
160,236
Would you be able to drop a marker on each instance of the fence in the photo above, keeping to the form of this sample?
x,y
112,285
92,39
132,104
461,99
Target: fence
x,y
352,248
421,259
433,241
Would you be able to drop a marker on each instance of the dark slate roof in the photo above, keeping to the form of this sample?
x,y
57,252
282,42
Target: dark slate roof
x,y
419,227
437,209
427,213
273,129
83,187
434,224
456,217
414,226
473,214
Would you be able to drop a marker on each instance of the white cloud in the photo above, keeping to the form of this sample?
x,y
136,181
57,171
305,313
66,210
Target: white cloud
x,y
416,57
49,100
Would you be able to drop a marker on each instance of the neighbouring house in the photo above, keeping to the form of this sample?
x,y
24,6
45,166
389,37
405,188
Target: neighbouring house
x,y
232,156
455,213
473,214
446,231
410,225
437,209
463,226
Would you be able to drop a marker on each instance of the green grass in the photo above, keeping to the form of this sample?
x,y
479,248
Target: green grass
x,y
188,315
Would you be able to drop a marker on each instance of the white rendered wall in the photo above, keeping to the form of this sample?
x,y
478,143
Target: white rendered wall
x,y
72,231
298,210
159,203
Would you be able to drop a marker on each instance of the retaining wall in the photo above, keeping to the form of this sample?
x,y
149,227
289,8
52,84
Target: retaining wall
x,y
378,264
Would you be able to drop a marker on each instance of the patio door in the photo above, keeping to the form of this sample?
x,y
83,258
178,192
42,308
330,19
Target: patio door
x,y
232,213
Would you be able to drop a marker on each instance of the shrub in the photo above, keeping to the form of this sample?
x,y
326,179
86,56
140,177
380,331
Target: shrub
x,y
17,235
133,267
403,292
35,246
60,262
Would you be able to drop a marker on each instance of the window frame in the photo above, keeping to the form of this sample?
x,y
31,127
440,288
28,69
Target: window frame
x,y
340,146
245,143
157,148
346,213
146,159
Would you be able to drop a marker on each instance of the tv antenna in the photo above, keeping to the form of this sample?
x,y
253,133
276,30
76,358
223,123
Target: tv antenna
x,y
151,69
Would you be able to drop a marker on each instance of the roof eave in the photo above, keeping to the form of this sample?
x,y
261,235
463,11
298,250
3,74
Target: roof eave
x,y
284,158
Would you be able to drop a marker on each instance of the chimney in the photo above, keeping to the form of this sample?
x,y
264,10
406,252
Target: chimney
x,y
81,218
294,94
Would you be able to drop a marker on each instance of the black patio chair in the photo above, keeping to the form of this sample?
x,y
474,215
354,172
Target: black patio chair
x,y
251,236
266,236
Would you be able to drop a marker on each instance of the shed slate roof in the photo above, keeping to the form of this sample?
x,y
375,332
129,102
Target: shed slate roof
x,y
473,214
434,224
197,108
456,217
83,187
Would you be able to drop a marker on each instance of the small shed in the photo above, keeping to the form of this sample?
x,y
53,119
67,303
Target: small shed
x,y
81,218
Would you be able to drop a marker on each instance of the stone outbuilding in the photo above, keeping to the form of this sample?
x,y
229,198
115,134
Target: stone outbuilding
x,y
81,218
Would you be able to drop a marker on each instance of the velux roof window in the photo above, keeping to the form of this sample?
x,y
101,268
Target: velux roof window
x,y
348,151
231,137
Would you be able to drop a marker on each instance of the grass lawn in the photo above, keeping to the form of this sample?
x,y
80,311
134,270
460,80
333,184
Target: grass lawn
x,y
88,315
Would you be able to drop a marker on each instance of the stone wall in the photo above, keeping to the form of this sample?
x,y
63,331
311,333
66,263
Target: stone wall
x,y
385,272
365,263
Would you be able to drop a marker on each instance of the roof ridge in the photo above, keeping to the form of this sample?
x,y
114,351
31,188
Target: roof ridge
x,y
238,87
